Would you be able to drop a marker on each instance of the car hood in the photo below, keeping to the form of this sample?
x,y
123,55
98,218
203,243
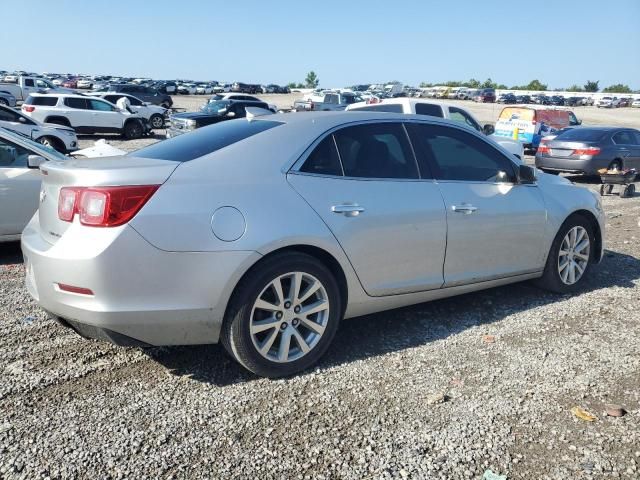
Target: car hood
x,y
194,115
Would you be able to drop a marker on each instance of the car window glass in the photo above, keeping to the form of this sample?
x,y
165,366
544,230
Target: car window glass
x,y
112,98
378,150
136,102
463,117
381,107
73,102
28,82
429,109
454,154
333,99
99,105
12,155
623,138
324,159
636,136
8,115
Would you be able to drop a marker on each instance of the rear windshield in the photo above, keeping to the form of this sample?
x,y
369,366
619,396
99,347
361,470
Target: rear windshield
x,y
203,141
48,101
582,135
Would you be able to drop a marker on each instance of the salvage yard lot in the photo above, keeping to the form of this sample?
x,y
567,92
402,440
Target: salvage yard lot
x,y
446,389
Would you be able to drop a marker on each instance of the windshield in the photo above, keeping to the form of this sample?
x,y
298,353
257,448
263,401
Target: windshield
x,y
214,107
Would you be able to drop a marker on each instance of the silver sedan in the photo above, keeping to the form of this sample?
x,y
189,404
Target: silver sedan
x,y
264,233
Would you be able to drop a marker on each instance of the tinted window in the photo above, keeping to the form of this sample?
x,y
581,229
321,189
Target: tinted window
x,y
454,154
134,101
582,135
429,109
204,140
382,107
99,105
324,159
28,82
76,103
623,138
463,117
45,101
8,115
376,151
12,155
112,98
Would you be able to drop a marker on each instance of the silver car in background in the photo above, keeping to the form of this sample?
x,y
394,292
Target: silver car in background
x,y
264,233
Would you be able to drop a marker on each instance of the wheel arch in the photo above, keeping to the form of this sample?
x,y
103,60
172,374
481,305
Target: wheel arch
x,y
52,118
59,144
595,225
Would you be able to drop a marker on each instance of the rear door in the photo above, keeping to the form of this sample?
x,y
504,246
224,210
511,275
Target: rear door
x,y
19,188
628,147
77,112
363,182
496,226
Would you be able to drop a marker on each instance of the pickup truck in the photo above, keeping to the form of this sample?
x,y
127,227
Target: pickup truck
x,y
442,110
325,101
25,86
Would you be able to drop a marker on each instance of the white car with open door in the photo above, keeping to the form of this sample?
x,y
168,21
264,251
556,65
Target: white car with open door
x,y
155,114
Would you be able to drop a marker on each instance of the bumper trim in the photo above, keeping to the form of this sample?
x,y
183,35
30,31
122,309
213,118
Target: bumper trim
x,y
97,333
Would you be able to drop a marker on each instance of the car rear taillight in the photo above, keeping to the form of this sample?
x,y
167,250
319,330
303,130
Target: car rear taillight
x,y
543,148
28,108
587,151
103,206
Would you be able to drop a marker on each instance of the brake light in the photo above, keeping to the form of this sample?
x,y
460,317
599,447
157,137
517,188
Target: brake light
x,y
587,151
103,206
28,108
543,148
73,289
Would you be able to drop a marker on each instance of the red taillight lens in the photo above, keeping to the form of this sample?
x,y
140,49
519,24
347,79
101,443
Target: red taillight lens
x,y
543,148
73,289
28,108
587,151
103,206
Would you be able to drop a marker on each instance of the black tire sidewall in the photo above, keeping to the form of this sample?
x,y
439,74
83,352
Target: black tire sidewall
x,y
235,334
133,130
551,278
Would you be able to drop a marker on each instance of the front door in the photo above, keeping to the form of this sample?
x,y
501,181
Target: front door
x,y
496,227
389,221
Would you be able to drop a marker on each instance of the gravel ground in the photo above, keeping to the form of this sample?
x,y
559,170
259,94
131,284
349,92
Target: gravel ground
x,y
441,390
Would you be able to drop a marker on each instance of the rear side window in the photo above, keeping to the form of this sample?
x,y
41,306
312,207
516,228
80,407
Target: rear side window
x,y
324,159
379,150
454,154
80,103
381,107
582,135
204,141
44,101
623,138
429,109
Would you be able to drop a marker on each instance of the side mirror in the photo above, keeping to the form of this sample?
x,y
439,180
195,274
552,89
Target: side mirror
x,y
34,161
22,120
488,129
231,114
526,174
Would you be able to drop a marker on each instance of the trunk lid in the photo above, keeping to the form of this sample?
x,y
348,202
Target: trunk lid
x,y
566,149
105,171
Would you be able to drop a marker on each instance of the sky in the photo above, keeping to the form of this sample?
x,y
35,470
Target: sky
x,y
345,43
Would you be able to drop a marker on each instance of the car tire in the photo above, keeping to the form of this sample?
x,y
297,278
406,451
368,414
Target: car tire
x,y
244,334
4,102
157,121
133,130
557,274
52,142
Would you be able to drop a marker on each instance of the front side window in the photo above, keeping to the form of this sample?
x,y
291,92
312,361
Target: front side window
x,y
379,150
454,154
28,82
324,159
100,105
333,99
458,115
429,109
12,155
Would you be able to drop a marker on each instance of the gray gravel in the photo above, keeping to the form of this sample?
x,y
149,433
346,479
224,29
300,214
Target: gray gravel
x,y
441,390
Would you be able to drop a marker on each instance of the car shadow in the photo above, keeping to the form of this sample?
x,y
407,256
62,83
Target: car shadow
x,y
400,329
10,253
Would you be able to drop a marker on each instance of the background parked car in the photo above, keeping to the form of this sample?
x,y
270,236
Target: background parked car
x,y
608,102
155,114
507,98
523,99
146,94
636,103
63,139
7,99
585,150
486,95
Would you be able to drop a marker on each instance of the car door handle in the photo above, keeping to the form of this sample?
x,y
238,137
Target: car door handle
x,y
464,208
348,210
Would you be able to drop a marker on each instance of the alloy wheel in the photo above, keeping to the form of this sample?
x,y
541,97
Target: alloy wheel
x,y
289,317
573,257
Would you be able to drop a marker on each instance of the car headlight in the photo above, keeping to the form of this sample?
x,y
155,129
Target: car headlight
x,y
191,123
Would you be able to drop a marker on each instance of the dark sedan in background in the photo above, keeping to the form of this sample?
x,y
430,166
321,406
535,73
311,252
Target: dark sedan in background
x,y
585,150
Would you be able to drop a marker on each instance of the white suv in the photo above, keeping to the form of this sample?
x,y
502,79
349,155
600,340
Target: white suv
x,y
63,139
85,114
155,114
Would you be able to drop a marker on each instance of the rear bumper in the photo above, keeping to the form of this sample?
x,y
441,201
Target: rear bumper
x,y
141,295
560,164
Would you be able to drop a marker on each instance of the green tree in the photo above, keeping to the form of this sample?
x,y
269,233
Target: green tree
x,y
536,85
575,88
426,85
617,88
472,83
502,86
591,86
292,85
311,80
488,83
